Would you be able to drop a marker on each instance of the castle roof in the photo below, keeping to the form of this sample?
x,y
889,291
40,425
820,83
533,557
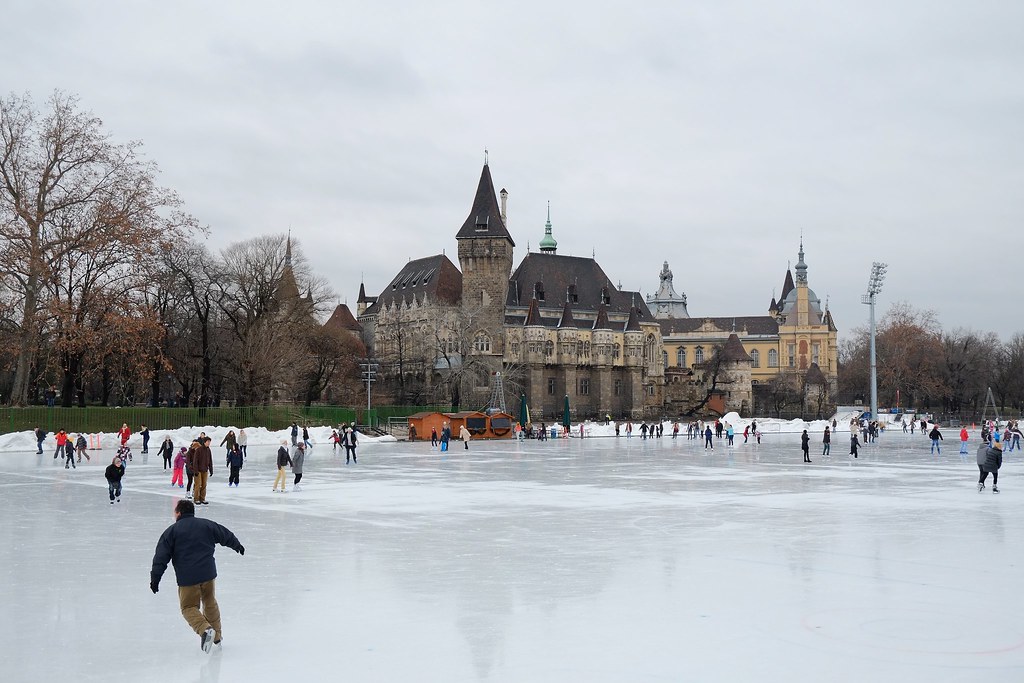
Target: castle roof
x,y
633,324
434,276
342,319
787,286
734,351
814,375
566,320
484,218
533,314
560,273
753,324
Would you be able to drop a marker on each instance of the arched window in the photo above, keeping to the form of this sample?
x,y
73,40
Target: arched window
x,y
664,358
755,359
773,358
616,351
681,357
698,355
549,348
482,343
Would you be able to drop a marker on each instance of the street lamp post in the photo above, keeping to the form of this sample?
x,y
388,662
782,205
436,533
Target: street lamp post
x,y
874,287
369,371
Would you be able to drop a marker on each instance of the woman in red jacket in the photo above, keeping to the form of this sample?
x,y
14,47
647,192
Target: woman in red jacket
x,y
125,433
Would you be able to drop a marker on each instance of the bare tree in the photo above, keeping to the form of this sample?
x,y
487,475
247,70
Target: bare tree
x,y
63,183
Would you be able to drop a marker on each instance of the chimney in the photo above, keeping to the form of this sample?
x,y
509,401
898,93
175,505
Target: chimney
x,y
504,199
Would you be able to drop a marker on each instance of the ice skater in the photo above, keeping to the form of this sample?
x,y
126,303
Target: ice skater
x,y
805,446
464,435
202,470
963,440
229,442
124,433
826,441
80,448
189,474
433,438
69,454
114,473
234,464
144,431
283,460
177,474
62,438
853,444
350,442
243,443
167,451
189,544
298,457
990,458
936,437
708,436
305,437
40,437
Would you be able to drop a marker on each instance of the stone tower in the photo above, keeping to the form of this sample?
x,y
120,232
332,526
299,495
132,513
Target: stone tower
x,y
485,257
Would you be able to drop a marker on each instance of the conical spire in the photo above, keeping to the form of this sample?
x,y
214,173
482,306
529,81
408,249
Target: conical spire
x,y
787,286
601,323
484,218
533,315
288,251
566,320
633,324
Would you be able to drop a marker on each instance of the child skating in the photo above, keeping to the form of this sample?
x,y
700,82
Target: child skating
x,y
114,473
178,473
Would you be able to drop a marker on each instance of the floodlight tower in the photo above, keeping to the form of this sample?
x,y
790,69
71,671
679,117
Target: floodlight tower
x,y
874,287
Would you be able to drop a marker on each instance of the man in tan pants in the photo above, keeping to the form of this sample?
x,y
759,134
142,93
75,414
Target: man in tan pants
x,y
189,543
202,466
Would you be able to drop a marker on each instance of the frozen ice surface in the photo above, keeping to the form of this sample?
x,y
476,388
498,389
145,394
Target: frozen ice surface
x,y
569,560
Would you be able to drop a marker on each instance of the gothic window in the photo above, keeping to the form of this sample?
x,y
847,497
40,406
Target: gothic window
x,y
664,358
681,357
815,353
698,355
584,386
515,348
549,348
586,349
791,348
482,343
755,359
618,387
616,351
773,358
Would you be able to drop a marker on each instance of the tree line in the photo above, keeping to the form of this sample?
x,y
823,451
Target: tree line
x,y
109,294
919,365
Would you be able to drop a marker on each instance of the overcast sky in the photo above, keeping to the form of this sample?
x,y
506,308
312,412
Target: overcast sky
x,y
707,134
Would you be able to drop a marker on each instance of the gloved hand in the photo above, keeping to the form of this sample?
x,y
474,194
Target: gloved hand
x,y
241,549
153,586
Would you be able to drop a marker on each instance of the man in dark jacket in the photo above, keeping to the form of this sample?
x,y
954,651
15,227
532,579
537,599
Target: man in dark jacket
x,y
990,459
40,437
202,468
189,544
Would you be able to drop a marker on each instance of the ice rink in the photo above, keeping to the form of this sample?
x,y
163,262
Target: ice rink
x,y
604,559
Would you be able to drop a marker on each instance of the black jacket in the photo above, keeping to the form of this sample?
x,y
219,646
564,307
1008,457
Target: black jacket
x,y
282,457
166,448
113,472
188,544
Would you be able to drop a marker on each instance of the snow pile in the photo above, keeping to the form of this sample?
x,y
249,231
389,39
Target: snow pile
x,y
257,436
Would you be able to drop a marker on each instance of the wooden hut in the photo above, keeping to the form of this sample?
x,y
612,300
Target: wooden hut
x,y
475,421
420,425
499,426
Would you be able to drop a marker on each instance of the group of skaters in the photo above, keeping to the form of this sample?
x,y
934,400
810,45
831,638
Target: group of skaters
x,y
192,466
439,442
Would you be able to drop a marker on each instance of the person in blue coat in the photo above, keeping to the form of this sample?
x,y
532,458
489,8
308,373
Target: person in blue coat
x,y
189,544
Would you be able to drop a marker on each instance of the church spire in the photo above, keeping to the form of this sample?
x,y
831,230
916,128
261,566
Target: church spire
x,y
288,250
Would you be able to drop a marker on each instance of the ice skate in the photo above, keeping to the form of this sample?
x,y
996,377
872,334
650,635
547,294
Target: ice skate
x,y
206,640
995,489
981,487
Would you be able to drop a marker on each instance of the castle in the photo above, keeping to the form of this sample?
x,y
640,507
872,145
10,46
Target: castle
x,y
555,328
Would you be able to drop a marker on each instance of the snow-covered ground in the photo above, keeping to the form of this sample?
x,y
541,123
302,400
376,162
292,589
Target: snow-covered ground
x,y
568,560
259,436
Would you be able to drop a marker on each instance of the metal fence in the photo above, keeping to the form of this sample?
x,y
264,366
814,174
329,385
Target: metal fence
x,y
106,419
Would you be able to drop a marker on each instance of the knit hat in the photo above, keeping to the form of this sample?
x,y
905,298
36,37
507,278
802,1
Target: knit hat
x,y
998,445
182,450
